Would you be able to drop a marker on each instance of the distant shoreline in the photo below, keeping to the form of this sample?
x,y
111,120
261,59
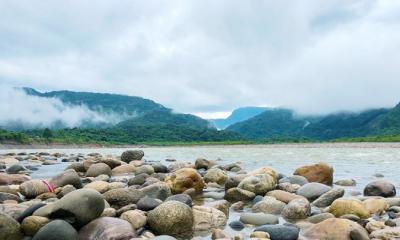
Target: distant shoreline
x,y
272,145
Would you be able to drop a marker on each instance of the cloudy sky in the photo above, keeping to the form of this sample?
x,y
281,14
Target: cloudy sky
x,y
209,57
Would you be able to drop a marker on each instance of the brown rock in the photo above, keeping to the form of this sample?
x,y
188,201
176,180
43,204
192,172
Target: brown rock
x,y
183,179
320,172
334,228
283,196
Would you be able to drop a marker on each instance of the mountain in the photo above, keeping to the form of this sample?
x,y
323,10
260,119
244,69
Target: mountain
x,y
145,121
105,102
238,115
284,123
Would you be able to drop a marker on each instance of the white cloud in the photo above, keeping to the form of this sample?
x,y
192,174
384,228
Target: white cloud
x,y
209,56
31,111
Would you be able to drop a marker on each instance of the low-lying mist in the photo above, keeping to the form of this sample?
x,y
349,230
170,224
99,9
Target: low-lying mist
x,y
19,110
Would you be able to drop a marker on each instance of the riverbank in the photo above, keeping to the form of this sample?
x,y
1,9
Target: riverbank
x,y
202,144
211,199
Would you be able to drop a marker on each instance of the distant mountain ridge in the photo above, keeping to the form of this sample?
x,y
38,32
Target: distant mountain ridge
x,y
238,115
285,123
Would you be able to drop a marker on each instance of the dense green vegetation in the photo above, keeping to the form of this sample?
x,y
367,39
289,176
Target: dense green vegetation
x,y
282,123
147,122
13,137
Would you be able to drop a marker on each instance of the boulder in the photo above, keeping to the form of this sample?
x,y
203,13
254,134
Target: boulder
x,y
221,205
386,234
31,225
144,169
313,190
283,196
10,179
258,184
172,218
33,188
344,206
136,218
56,230
183,179
15,169
98,169
266,170
131,155
207,218
335,228
380,188
147,203
159,190
297,209
105,228
233,181
9,228
215,175
320,172
182,197
138,179
294,179
120,197
123,169
258,219
376,205
68,177
320,217
13,210
100,186
79,207
269,205
238,194
280,232
202,163
327,198
346,182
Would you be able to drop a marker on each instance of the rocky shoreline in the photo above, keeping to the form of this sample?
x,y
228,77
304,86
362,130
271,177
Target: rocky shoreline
x,y
129,197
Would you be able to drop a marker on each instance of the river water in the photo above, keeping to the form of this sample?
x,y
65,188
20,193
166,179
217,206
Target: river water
x,y
359,161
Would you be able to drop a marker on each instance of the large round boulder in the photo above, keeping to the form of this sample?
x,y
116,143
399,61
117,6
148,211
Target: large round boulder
x,y
266,170
320,172
120,197
215,175
258,184
380,188
68,177
106,228
172,218
79,207
98,169
9,179
313,190
131,155
335,228
184,179
9,228
31,225
269,205
33,188
297,209
56,230
376,205
343,206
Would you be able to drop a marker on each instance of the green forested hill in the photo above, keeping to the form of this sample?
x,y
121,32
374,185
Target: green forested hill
x,y
282,123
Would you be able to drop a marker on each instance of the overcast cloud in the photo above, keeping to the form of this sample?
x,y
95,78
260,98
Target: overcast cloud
x,y
209,56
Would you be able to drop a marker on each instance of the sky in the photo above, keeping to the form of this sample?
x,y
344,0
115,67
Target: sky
x,y
208,57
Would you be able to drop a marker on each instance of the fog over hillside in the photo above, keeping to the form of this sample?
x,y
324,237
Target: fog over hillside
x,y
20,110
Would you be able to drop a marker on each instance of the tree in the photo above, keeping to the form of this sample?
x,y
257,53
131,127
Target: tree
x,y
47,134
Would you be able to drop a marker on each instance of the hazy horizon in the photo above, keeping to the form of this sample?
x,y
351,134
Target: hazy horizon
x,y
210,57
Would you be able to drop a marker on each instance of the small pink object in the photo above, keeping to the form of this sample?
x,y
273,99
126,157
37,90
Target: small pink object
x,y
49,186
